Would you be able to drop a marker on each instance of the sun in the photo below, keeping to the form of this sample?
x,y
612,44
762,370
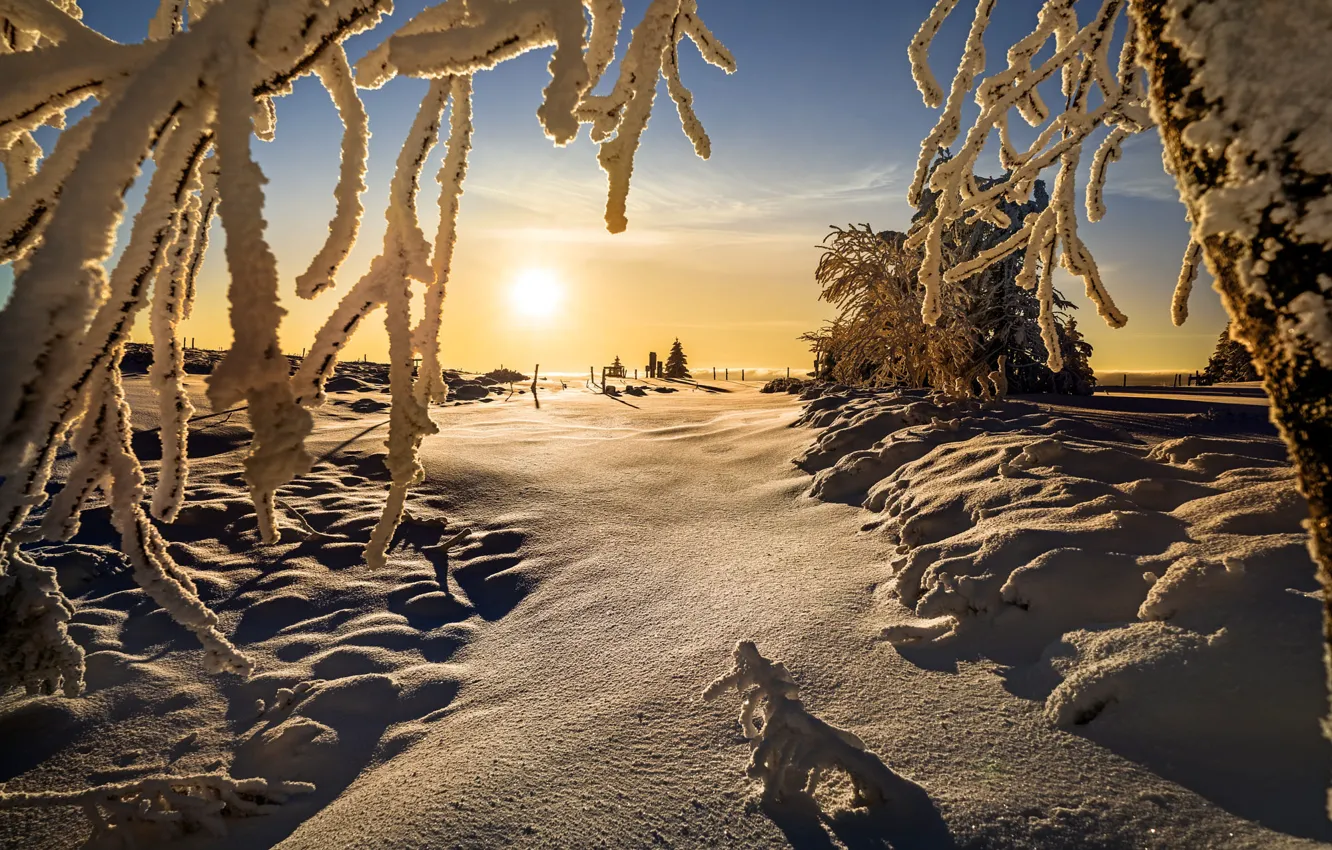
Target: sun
x,y
536,293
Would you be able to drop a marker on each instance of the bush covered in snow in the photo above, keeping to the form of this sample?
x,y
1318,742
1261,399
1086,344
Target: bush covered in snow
x,y
987,321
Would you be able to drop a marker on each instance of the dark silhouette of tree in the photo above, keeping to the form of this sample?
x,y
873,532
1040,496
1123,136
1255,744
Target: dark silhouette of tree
x,y
1076,378
677,365
1230,362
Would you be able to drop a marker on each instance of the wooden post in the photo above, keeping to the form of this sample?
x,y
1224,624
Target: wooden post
x,y
714,373
591,377
742,376
788,373
635,374
728,373
603,379
1126,379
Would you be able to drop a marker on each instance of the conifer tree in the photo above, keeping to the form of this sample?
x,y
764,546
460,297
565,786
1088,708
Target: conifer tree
x,y
1229,362
677,365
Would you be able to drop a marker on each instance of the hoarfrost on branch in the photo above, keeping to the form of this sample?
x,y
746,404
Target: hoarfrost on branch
x,y
190,97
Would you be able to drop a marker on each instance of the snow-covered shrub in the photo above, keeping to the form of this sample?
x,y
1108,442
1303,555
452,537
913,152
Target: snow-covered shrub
x,y
793,749
158,808
191,97
879,336
36,651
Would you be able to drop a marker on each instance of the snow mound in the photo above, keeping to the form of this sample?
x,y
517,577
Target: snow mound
x,y
347,384
1135,589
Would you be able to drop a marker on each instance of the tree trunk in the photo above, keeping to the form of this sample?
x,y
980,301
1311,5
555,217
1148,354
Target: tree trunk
x,y
1211,66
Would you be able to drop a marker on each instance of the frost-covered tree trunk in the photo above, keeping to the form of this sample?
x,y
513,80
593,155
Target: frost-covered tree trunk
x,y
1246,121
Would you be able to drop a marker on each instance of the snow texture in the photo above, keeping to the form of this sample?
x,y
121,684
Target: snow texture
x,y
792,750
1137,582
160,808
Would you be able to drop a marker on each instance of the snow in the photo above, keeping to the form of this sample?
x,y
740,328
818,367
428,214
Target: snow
x,y
526,669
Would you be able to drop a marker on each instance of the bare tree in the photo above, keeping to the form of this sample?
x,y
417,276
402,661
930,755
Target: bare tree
x,y
1241,94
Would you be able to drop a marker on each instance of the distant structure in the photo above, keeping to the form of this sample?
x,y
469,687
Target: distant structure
x,y
616,369
653,369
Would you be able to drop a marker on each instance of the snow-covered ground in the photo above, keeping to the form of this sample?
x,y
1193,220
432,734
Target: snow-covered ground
x,y
987,629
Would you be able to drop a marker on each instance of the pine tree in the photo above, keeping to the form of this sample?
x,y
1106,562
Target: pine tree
x,y
677,365
1077,377
1229,362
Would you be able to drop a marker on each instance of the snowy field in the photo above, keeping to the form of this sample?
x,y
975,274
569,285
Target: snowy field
x,y
1072,626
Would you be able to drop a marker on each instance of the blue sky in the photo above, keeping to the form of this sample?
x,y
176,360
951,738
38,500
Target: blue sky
x,y
820,125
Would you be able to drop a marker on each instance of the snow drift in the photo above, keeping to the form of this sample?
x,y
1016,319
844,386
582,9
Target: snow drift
x,y
1158,597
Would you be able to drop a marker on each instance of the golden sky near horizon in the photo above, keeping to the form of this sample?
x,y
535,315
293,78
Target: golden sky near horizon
x,y
814,129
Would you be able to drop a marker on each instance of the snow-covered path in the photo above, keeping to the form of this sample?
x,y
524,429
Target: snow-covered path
x,y
656,537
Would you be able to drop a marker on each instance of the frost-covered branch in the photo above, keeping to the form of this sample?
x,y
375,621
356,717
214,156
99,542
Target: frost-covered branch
x,y
165,806
190,87
453,39
1096,96
336,75
792,749
191,97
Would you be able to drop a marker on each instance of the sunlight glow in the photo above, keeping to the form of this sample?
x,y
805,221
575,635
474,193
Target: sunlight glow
x,y
536,293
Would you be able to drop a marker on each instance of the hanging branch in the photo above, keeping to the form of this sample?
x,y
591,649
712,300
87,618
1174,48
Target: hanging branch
x,y
62,333
191,97
1050,237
